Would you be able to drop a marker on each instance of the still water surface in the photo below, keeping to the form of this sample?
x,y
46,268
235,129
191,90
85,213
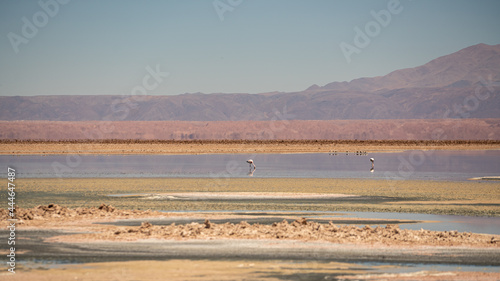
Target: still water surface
x,y
418,165
486,225
421,165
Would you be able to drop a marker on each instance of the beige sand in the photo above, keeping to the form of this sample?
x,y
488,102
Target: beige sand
x,y
436,197
204,147
177,270
390,237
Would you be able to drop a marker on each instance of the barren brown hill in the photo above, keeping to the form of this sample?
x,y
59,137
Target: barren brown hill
x,y
463,68
460,85
449,129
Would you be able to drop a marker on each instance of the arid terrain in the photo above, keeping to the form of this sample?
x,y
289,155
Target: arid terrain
x,y
384,129
472,198
53,215
92,229
119,227
215,270
300,229
233,146
127,237
250,140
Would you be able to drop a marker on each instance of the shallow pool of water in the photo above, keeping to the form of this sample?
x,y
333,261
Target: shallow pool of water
x,y
486,225
421,165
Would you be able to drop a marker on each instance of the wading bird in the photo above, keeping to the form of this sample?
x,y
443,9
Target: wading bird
x,y
250,162
373,162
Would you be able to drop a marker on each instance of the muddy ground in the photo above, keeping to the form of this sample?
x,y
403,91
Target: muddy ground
x,y
295,250
473,198
205,269
63,220
301,229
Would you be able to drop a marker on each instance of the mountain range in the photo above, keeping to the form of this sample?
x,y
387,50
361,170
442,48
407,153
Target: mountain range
x,y
464,84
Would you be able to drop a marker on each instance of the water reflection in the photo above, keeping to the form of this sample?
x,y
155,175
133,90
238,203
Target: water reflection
x,y
250,173
424,165
489,225
486,225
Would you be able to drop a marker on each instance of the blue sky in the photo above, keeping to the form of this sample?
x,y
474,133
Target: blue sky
x,y
248,46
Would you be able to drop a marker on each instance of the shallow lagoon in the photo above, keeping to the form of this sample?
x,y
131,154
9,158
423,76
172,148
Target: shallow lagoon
x,y
485,225
418,165
415,165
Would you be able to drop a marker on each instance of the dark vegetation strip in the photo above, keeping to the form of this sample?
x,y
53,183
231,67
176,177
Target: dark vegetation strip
x,y
292,142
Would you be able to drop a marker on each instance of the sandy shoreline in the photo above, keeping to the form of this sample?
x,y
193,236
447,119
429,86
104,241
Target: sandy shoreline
x,y
82,232
213,147
231,270
85,219
74,233
77,230
471,198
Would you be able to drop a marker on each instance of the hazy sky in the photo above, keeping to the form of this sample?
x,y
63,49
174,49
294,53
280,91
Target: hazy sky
x,y
231,46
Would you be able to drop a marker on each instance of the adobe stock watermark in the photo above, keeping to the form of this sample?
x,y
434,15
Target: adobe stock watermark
x,y
223,6
278,123
30,27
150,82
407,165
120,109
12,219
472,101
363,37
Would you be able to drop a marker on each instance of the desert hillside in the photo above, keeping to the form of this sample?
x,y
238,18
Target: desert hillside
x,y
460,85
449,129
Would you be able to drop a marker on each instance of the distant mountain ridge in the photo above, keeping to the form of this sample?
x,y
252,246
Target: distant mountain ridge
x,y
460,85
466,66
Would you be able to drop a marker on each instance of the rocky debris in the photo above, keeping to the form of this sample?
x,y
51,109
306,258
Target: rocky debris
x,y
146,228
54,211
146,225
208,224
107,208
41,212
302,229
300,222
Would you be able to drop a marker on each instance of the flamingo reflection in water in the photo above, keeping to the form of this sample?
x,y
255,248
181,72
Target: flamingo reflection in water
x,y
250,162
250,173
